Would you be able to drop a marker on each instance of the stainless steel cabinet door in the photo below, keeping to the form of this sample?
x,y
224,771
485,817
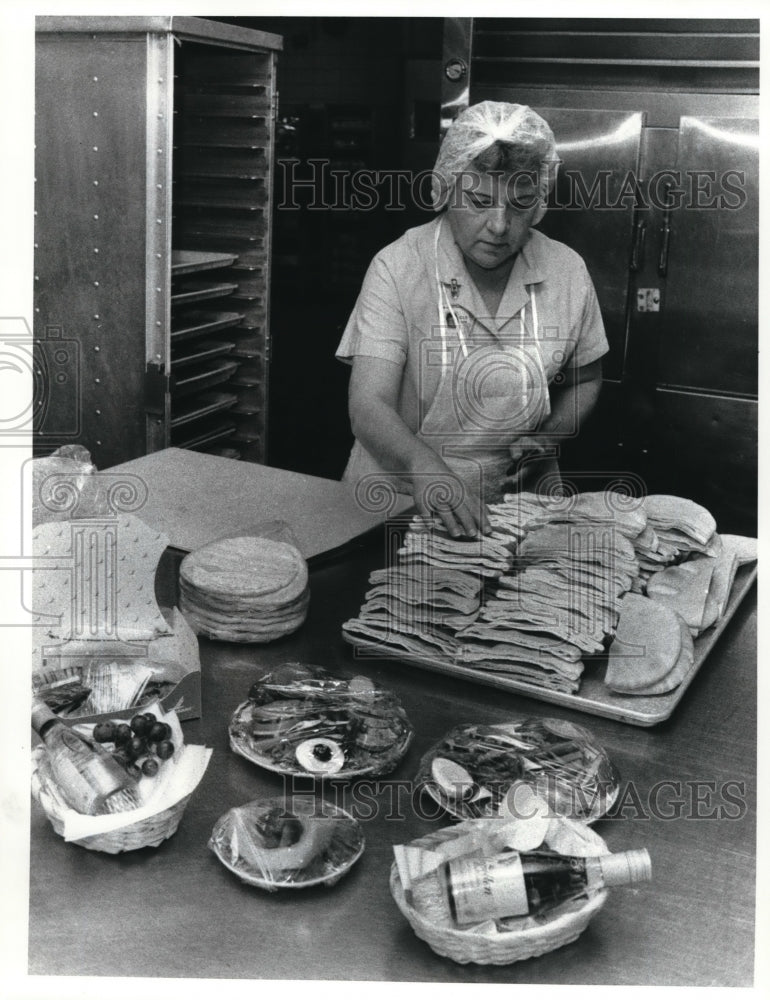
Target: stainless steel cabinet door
x,y
592,206
708,338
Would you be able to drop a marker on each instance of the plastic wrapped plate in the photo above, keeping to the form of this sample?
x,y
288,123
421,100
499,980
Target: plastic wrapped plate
x,y
300,720
471,770
287,844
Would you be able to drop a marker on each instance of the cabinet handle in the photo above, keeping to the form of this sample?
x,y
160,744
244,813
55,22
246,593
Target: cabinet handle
x,y
637,250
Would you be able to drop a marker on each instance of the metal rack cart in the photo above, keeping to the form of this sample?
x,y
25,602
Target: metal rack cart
x,y
154,152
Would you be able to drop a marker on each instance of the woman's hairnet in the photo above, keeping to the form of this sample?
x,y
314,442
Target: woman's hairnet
x,y
482,125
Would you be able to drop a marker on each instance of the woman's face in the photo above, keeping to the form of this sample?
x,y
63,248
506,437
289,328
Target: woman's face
x,y
490,216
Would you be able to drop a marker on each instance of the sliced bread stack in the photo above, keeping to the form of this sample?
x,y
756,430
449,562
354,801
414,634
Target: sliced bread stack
x,y
247,589
561,598
432,590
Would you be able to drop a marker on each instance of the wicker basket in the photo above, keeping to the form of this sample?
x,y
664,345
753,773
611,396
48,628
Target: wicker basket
x,y
148,832
493,947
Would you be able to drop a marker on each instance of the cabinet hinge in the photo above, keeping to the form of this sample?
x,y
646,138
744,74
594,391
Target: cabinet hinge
x,y
157,385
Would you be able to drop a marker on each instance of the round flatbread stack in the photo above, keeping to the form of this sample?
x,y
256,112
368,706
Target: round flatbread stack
x,y
246,589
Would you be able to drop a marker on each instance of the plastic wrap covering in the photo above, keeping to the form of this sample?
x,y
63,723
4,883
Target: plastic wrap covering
x,y
300,720
253,588
65,474
472,770
275,844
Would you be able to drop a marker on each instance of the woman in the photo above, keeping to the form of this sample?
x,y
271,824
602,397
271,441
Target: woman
x,y
476,341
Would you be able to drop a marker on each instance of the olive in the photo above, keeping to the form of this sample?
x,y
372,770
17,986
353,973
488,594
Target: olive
x,y
322,752
165,749
159,732
140,725
136,746
122,734
104,732
150,767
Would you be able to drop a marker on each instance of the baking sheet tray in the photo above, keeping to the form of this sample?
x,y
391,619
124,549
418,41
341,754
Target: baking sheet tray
x,y
198,291
593,697
195,379
191,261
199,321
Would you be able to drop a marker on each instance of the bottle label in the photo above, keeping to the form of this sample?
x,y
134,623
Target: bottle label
x,y
485,888
74,787
85,777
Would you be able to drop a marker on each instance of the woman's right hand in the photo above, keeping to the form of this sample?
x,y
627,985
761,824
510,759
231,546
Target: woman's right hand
x,y
439,492
374,392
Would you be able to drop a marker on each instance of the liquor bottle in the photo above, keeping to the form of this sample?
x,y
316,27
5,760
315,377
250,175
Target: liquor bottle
x,y
514,884
86,775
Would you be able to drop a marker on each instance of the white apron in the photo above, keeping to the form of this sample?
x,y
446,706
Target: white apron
x,y
487,397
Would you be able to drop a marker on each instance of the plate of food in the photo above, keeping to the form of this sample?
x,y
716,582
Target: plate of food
x,y
300,720
472,770
287,844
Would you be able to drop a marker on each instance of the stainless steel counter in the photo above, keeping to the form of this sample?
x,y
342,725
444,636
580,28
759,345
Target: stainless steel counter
x,y
175,911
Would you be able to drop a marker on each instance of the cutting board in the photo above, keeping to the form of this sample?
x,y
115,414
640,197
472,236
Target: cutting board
x,y
194,498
